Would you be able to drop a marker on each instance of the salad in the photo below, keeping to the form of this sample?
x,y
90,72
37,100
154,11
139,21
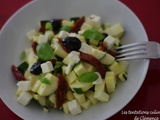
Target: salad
x,y
70,64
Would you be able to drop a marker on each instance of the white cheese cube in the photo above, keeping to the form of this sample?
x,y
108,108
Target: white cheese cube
x,y
47,67
86,48
99,80
62,34
42,39
25,98
94,20
55,43
24,85
31,34
109,42
74,107
74,56
68,68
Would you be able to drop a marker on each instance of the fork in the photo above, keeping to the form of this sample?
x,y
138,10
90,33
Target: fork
x,y
139,50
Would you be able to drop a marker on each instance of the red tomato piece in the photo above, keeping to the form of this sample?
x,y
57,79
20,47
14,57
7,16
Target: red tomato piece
x,y
99,66
17,73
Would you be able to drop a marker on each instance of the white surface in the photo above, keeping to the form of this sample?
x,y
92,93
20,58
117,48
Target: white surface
x,y
13,41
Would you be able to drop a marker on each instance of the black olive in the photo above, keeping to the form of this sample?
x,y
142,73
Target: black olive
x,y
36,68
56,24
72,43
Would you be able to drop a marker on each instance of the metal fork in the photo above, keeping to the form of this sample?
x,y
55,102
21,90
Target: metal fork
x,y
140,50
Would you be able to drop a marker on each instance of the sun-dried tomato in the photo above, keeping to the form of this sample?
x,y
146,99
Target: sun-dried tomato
x,y
34,45
17,73
78,25
61,91
99,66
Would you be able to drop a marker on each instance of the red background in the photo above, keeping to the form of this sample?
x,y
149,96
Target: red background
x,y
148,97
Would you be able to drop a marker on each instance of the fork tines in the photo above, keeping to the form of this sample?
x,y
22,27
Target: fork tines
x,y
131,51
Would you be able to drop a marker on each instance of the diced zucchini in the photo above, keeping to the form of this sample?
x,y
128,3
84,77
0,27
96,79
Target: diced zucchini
x,y
67,23
100,87
89,67
101,96
80,69
59,51
80,98
41,100
69,95
71,77
90,95
47,89
110,81
115,66
86,105
65,108
122,76
115,30
23,66
98,53
80,87
45,109
124,65
36,86
52,98
107,59
93,42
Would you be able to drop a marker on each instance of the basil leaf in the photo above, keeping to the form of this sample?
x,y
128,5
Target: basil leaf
x,y
44,52
48,26
45,80
88,77
93,34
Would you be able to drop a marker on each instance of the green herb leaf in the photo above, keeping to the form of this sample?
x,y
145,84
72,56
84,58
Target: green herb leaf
x,y
45,80
66,28
48,26
88,77
44,52
93,34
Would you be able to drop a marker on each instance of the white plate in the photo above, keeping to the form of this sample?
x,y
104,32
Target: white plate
x,y
13,41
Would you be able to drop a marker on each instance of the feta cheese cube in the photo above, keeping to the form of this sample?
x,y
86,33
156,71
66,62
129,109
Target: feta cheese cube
x,y
47,67
63,34
31,34
99,80
42,39
86,48
74,56
94,20
24,85
74,107
68,68
109,42
25,98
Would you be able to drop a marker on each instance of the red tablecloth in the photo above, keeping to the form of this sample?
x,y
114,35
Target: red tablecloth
x,y
148,97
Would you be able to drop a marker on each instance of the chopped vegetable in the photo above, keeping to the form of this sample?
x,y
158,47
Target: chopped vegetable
x,y
45,52
45,80
88,77
93,35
